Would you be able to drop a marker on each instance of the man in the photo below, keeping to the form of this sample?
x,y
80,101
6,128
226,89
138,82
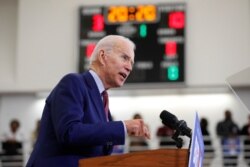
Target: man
x,y
74,123
227,127
228,131
13,139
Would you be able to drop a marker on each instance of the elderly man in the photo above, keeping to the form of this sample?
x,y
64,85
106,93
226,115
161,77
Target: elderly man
x,y
76,122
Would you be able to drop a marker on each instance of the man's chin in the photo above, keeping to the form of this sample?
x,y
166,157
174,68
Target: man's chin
x,y
120,84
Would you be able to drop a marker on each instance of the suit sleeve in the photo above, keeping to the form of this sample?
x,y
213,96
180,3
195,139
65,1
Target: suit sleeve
x,y
67,103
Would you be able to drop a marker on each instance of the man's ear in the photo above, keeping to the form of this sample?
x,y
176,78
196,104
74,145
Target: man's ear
x,y
101,57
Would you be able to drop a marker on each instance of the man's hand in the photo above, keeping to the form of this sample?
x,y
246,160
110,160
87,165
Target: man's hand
x,y
136,127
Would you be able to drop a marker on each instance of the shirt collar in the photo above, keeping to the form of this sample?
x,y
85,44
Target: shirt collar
x,y
98,81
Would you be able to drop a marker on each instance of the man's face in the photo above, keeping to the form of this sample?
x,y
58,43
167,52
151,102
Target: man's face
x,y
118,65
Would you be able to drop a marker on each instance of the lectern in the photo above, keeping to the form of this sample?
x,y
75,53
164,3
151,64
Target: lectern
x,y
151,158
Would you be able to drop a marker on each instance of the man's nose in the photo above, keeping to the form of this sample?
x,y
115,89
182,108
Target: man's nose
x,y
129,67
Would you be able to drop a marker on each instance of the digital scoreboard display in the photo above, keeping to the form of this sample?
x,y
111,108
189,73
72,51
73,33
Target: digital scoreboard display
x,y
158,32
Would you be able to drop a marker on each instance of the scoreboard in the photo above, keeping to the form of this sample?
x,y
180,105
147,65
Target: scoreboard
x,y
158,31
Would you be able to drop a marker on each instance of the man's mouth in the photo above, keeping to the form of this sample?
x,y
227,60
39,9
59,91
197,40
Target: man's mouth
x,y
123,75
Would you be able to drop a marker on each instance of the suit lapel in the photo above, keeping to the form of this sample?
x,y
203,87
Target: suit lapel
x,y
95,95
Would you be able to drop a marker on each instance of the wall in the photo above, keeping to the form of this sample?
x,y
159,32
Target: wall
x,y
218,40
8,36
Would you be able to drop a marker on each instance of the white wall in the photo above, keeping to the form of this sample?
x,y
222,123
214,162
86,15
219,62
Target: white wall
x,y
218,40
8,36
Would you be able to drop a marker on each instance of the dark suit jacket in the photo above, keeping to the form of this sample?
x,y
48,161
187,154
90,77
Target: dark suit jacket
x,y
73,125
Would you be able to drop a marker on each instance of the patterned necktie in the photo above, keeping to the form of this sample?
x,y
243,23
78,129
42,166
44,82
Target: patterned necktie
x,y
106,103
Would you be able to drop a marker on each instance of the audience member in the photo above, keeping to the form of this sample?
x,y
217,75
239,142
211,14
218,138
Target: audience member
x,y
207,142
35,132
246,128
13,138
245,132
227,126
138,143
204,126
165,134
228,131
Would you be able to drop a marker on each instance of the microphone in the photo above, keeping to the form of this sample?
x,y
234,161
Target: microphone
x,y
171,121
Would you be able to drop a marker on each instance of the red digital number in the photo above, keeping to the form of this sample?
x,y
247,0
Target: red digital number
x,y
176,20
89,50
170,49
97,22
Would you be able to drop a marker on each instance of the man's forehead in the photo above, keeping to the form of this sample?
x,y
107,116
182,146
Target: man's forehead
x,y
124,47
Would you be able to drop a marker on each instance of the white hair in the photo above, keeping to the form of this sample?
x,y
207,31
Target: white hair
x,y
107,43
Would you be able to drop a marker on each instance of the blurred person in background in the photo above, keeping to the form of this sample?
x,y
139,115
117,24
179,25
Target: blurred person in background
x,y
35,132
209,151
12,140
245,133
138,143
227,126
165,133
228,131
246,128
